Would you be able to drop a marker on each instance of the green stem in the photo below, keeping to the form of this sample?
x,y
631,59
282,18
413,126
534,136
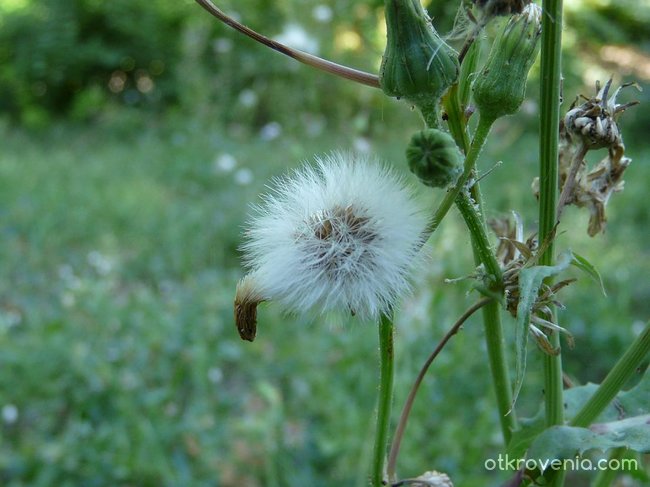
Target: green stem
x,y
474,221
472,213
495,342
612,384
494,337
550,73
482,131
483,253
550,119
430,111
386,373
406,410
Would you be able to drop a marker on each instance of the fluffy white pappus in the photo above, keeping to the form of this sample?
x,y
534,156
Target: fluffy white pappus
x,y
341,234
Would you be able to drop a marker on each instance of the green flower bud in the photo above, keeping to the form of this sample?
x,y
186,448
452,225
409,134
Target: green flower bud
x,y
417,64
433,157
500,87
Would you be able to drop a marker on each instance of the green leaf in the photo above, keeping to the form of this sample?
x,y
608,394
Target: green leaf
x,y
587,267
631,403
563,442
468,72
530,280
521,439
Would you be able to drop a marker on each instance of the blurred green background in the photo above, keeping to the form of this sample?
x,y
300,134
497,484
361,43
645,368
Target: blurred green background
x,y
135,134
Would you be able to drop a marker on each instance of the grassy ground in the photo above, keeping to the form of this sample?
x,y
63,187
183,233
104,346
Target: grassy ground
x,y
119,360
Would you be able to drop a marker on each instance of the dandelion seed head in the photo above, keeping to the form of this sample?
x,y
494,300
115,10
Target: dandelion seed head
x,y
341,234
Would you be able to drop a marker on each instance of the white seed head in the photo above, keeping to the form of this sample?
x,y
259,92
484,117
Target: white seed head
x,y
343,234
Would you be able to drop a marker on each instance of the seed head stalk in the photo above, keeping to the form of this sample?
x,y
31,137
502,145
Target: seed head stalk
x,y
386,376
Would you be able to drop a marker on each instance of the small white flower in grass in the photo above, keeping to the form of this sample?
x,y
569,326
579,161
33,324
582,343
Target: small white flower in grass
x,y
270,131
244,176
225,163
9,413
343,234
322,13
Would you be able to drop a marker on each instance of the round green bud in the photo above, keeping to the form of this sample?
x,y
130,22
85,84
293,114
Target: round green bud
x,y
500,87
434,158
417,64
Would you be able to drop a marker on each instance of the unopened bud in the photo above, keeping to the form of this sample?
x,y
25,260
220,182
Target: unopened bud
x,y
434,158
417,64
500,87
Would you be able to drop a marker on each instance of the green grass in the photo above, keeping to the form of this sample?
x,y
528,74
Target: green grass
x,y
117,346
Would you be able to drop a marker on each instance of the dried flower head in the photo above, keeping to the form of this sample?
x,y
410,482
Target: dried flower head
x,y
594,122
341,235
596,187
431,479
514,255
591,126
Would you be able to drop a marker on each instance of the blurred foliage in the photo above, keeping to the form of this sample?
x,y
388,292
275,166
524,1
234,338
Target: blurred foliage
x,y
119,229
74,57
58,55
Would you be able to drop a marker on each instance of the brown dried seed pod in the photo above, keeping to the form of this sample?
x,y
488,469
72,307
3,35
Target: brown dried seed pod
x,y
247,298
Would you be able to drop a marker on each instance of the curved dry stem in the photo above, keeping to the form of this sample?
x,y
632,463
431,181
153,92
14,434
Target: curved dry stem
x,y
352,74
401,426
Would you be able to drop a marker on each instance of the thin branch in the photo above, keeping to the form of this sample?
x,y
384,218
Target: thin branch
x,y
401,426
352,74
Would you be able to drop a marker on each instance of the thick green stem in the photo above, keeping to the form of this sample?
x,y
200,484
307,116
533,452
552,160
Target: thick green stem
x,y
549,127
612,384
494,337
550,73
386,373
495,342
472,213
474,221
